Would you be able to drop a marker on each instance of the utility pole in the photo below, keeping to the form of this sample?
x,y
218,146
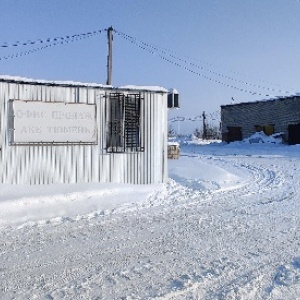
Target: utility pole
x,y
204,136
109,56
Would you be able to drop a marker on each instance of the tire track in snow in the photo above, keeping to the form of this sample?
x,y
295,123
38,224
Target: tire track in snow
x,y
263,181
266,183
180,243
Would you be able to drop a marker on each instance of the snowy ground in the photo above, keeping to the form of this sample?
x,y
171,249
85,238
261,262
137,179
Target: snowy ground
x,y
225,226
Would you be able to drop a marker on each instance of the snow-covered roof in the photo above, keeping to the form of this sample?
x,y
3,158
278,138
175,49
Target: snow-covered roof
x,y
144,88
17,79
276,98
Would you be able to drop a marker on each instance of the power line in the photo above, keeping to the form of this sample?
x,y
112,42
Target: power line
x,y
50,40
215,66
163,53
192,71
214,116
166,51
72,39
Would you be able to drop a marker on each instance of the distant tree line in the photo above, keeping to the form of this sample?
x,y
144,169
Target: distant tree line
x,y
210,132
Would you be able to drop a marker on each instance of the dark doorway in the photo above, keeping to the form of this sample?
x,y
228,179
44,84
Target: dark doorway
x,y
294,134
234,134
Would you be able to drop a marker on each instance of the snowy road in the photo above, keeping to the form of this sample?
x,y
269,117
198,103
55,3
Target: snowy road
x,y
225,227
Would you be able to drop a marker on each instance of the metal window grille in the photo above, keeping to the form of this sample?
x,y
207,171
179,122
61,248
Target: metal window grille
x,y
115,125
124,133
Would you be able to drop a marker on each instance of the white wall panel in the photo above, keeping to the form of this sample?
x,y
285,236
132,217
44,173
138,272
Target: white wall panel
x,y
71,163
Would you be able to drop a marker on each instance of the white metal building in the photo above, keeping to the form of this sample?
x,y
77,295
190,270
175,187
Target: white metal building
x,y
68,132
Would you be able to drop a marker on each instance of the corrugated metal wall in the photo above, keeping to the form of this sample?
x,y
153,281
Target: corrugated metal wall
x,y
45,164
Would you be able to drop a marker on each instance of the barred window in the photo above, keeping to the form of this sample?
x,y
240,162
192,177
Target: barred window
x,y
124,124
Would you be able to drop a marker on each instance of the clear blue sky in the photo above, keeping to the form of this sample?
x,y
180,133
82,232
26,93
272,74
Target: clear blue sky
x,y
253,41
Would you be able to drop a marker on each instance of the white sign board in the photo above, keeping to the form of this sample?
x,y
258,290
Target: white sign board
x,y
42,122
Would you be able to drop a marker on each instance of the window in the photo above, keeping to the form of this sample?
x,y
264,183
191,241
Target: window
x,y
124,124
114,137
173,100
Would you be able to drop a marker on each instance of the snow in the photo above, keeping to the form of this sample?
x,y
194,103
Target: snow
x,y
42,81
261,137
224,226
145,88
22,205
75,83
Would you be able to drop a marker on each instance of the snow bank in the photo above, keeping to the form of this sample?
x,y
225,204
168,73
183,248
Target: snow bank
x,y
261,137
198,173
21,205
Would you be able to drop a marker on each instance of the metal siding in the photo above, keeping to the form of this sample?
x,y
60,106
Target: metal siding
x,y
46,164
157,127
149,129
165,141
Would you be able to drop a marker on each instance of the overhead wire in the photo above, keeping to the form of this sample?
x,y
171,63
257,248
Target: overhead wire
x,y
214,116
216,66
163,53
50,40
57,41
192,71
170,56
